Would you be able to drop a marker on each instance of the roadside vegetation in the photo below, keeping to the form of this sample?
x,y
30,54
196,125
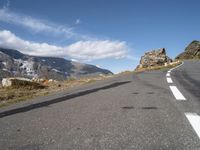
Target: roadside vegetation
x,y
162,68
19,93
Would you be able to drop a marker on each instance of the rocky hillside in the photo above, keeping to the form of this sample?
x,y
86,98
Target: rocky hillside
x,y
14,63
192,51
154,58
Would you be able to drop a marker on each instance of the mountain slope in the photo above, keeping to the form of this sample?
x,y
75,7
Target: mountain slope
x,y
14,63
192,51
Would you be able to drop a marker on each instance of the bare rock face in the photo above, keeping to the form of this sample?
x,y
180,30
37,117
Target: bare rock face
x,y
6,82
154,58
20,83
192,51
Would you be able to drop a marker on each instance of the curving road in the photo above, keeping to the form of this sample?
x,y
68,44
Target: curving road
x,y
135,111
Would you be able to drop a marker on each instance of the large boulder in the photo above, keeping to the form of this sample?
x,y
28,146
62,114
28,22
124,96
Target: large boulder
x,y
20,83
192,51
154,58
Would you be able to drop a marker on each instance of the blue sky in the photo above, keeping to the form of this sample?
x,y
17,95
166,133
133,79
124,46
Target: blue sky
x,y
111,34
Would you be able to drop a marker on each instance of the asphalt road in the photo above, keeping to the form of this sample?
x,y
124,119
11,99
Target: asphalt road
x,y
134,111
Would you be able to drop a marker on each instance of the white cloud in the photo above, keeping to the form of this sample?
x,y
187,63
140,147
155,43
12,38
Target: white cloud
x,y
81,50
78,21
39,26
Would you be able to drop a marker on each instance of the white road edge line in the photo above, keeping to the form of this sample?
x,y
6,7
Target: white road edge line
x,y
177,94
169,80
194,120
176,66
168,74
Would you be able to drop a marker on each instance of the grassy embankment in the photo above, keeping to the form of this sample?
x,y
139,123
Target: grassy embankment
x,y
16,94
162,68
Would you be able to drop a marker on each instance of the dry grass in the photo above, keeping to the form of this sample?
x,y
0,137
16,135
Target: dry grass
x,y
162,68
26,84
21,93
13,95
125,72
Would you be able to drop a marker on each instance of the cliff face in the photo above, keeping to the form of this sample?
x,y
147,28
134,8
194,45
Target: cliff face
x,y
192,51
154,58
14,63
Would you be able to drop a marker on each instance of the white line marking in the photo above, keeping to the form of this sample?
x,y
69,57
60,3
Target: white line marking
x,y
177,94
168,74
169,71
169,80
194,120
176,67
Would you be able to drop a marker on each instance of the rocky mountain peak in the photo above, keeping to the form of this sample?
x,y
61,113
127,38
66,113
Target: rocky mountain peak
x,y
156,57
192,51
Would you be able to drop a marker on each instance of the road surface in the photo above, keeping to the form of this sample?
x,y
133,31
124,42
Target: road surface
x,y
136,111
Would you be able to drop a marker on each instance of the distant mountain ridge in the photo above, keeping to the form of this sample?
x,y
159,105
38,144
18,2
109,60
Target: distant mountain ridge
x,y
15,63
192,51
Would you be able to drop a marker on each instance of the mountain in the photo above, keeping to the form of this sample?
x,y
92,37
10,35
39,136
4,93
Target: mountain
x,y
192,51
15,63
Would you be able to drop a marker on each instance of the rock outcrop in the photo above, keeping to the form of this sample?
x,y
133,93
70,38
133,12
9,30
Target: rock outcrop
x,y
20,83
192,51
154,58
15,64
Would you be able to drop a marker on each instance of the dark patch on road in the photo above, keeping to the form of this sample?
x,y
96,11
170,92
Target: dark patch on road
x,y
150,92
135,93
131,107
57,100
127,107
18,130
149,107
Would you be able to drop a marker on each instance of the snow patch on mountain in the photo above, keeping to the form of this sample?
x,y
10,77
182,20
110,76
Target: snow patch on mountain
x,y
56,70
26,66
4,63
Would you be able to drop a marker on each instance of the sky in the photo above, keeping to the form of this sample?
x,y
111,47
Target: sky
x,y
111,34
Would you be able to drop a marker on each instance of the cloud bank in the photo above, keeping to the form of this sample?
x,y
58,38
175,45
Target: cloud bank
x,y
81,50
86,47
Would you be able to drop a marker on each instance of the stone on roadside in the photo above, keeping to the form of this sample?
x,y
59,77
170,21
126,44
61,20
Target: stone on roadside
x,y
20,83
154,58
